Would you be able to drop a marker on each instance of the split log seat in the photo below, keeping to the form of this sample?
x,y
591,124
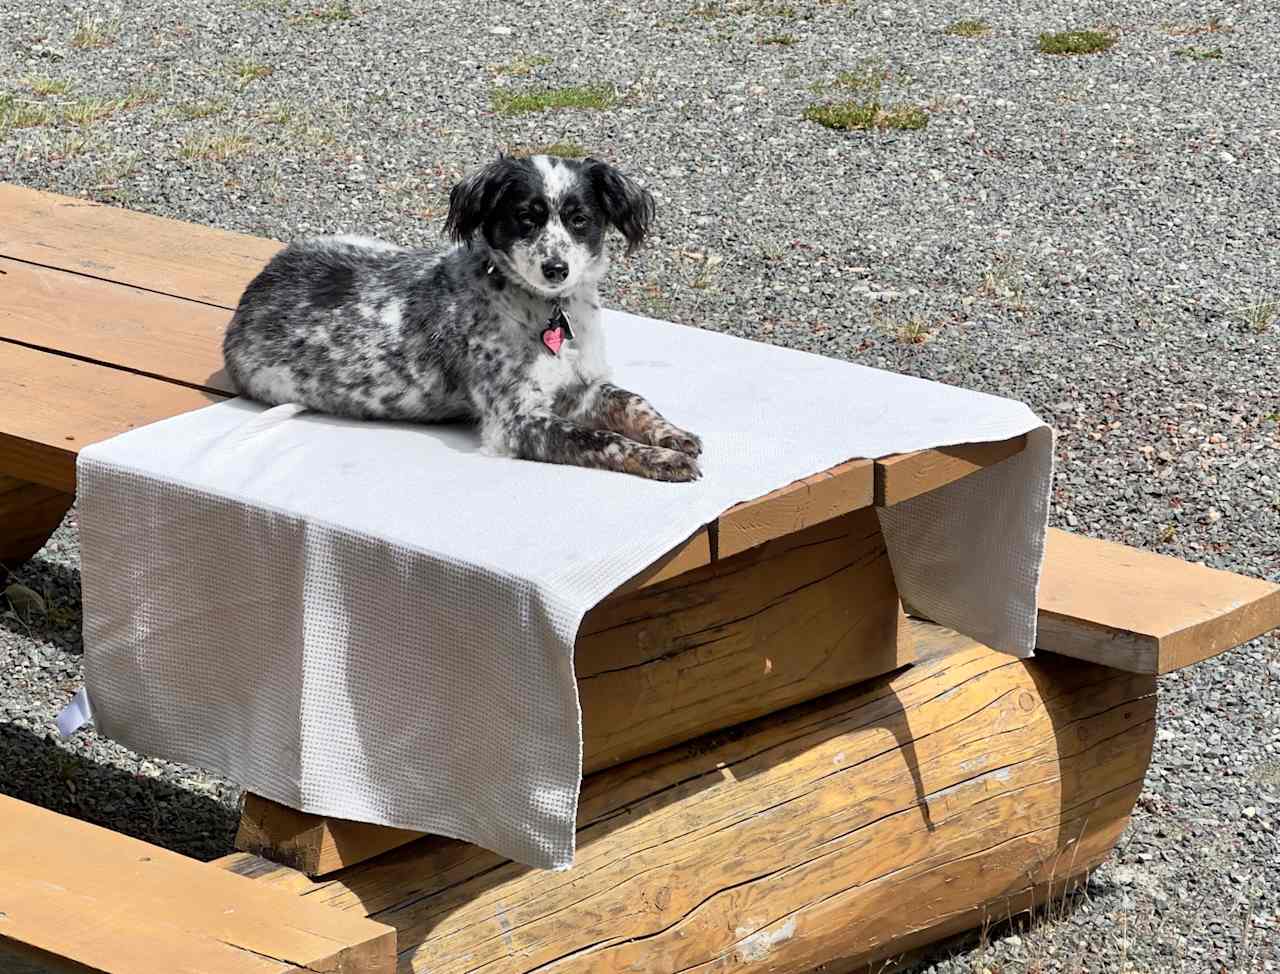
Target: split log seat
x,y
790,774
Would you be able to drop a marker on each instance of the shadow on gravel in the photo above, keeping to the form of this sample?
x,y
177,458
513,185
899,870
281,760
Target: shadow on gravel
x,y
58,585
35,769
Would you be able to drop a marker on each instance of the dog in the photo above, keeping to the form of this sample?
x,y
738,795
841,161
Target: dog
x,y
501,327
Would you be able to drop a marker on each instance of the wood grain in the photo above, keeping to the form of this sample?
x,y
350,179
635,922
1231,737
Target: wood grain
x,y
779,624
29,513
140,331
116,904
157,254
844,488
52,406
1139,611
903,476
968,785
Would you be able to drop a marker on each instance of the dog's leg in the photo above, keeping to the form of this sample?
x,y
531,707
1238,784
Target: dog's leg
x,y
605,406
553,439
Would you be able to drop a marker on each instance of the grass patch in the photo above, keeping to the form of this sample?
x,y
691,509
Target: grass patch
x,y
777,40
584,98
1258,316
337,12
302,133
522,66
565,150
16,114
94,32
278,114
853,116
206,108
1075,42
86,111
869,79
247,72
1200,53
44,87
967,28
140,95
68,146
217,147
914,331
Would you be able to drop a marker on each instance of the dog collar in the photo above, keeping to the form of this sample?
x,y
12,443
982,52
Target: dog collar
x,y
557,330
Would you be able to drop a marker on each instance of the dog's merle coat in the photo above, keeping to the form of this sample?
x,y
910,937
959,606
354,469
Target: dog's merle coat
x,y
357,327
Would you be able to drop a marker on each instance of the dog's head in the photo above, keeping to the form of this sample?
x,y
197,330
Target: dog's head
x,y
546,218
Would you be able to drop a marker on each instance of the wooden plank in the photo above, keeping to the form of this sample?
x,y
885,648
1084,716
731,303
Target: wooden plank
x,y
1139,611
313,845
29,513
966,785
52,406
691,554
844,488
112,324
169,256
117,904
903,476
779,624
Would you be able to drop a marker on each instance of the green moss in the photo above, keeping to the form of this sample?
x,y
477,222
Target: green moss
x,y
967,28
565,150
1075,42
583,98
850,116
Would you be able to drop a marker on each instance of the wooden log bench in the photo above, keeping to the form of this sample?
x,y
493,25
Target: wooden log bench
x,y
778,757
76,897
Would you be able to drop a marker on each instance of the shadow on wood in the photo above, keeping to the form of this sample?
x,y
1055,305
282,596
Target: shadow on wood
x,y
843,831
29,514
772,626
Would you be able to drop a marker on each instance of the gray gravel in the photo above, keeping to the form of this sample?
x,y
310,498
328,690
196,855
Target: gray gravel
x,y
1078,233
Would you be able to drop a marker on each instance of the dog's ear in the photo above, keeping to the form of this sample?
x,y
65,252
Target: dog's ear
x,y
628,206
472,200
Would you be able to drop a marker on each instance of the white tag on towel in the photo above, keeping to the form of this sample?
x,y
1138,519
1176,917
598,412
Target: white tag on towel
x,y
75,714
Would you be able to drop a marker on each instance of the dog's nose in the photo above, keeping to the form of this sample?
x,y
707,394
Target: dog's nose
x,y
555,270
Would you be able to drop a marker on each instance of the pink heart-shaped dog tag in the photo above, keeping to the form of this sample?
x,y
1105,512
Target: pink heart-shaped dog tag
x,y
553,338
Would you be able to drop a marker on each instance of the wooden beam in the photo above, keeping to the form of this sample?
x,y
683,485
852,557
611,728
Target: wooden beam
x,y
968,785
172,257
779,624
116,904
1147,613
906,475
29,513
844,488
52,406
111,324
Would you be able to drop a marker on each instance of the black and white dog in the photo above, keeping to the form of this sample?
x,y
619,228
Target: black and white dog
x,y
502,327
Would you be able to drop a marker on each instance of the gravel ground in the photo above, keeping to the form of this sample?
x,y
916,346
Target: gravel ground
x,y
1081,233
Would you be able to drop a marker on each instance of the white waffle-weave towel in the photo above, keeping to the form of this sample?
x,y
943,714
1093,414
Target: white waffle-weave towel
x,y
377,621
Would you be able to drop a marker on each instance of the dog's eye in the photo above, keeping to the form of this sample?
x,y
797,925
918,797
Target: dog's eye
x,y
578,221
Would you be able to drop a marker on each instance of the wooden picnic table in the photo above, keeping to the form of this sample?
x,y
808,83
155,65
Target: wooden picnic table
x,y
773,796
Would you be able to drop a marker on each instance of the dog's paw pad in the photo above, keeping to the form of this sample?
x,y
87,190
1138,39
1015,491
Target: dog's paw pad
x,y
673,466
681,441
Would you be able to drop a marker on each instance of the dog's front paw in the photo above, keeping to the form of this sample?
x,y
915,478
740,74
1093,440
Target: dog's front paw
x,y
673,438
659,463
